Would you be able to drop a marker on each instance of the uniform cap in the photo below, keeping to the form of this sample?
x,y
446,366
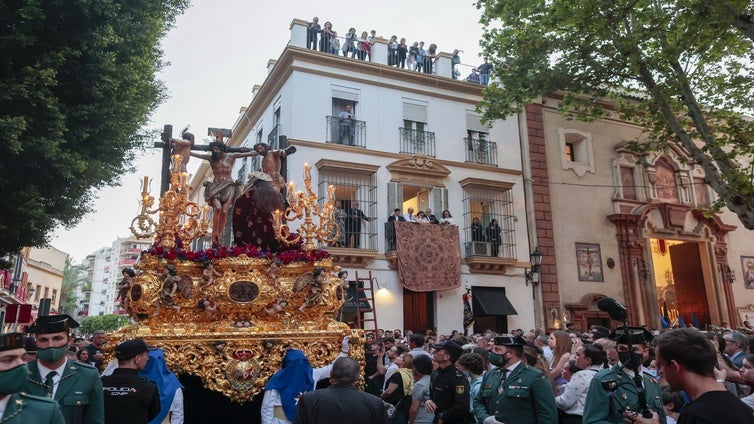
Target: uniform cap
x,y
30,344
10,341
509,340
454,349
131,348
53,324
636,335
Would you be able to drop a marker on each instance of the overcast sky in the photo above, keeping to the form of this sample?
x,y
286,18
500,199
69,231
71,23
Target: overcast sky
x,y
219,49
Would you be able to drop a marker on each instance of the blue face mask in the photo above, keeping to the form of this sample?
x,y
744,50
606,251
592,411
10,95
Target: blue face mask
x,y
651,372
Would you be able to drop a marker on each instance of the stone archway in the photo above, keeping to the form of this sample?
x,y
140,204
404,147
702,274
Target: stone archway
x,y
670,221
586,313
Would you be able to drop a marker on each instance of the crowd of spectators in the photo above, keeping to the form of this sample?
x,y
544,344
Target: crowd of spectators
x,y
400,53
568,359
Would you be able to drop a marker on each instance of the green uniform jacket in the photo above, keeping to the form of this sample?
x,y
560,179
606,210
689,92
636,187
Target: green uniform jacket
x,y
613,391
79,392
28,409
526,396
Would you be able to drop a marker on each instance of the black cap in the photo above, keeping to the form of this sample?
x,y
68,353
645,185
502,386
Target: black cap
x,y
53,324
509,340
9,341
454,349
130,348
30,344
637,335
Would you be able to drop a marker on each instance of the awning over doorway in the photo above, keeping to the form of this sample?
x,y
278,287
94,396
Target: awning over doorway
x,y
353,293
491,301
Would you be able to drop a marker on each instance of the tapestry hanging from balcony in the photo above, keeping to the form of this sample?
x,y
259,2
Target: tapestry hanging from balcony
x,y
429,258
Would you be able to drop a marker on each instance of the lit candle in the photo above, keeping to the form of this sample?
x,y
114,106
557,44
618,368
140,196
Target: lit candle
x,y
276,215
307,176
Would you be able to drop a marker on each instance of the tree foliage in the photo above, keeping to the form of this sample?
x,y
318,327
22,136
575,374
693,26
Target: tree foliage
x,y
74,277
77,85
681,69
108,323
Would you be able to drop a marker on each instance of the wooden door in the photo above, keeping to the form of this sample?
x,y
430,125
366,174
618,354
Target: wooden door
x,y
691,296
418,310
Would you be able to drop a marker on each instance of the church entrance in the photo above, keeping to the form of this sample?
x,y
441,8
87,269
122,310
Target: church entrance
x,y
683,293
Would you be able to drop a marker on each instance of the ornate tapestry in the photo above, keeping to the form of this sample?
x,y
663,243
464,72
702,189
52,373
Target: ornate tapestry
x,y
429,257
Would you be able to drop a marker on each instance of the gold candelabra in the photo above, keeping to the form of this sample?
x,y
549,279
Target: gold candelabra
x,y
305,205
178,217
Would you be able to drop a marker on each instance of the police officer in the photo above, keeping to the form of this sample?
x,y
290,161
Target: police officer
x,y
613,393
74,385
449,388
20,407
129,398
514,392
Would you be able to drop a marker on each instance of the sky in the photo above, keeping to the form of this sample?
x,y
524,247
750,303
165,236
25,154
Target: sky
x,y
219,49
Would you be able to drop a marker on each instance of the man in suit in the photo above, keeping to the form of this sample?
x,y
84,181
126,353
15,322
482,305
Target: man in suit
x,y
75,385
514,392
613,392
353,225
432,219
396,216
20,407
341,402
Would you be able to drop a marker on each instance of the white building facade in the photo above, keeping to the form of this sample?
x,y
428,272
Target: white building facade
x,y
417,141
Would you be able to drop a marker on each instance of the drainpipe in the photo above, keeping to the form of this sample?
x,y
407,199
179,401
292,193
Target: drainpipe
x,y
523,134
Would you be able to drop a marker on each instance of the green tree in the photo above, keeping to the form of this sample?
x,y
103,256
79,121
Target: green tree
x,y
74,277
682,69
108,323
77,85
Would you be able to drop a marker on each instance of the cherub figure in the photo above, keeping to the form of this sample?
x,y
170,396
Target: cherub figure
x,y
124,286
343,276
316,288
209,274
209,309
272,272
277,307
170,280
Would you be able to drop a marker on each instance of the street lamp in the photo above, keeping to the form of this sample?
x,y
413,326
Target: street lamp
x,y
536,262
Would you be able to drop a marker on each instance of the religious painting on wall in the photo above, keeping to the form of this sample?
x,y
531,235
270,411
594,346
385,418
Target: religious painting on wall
x,y
747,265
589,261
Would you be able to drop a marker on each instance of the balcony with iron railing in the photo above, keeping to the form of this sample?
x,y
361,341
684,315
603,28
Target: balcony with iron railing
x,y
350,132
417,142
481,151
481,256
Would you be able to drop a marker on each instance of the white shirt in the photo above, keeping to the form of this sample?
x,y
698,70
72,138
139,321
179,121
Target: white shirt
x,y
573,399
408,217
418,351
176,408
43,371
4,404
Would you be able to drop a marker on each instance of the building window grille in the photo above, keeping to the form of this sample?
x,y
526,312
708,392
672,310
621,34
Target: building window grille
x,y
486,206
350,189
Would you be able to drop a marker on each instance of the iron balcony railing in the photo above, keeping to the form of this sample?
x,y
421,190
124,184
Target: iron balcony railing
x,y
481,151
350,132
417,142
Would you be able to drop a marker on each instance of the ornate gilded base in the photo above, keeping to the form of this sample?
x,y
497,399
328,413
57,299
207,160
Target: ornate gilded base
x,y
231,326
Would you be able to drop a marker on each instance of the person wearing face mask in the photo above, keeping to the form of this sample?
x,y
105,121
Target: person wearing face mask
x,y
514,392
16,406
613,392
74,385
